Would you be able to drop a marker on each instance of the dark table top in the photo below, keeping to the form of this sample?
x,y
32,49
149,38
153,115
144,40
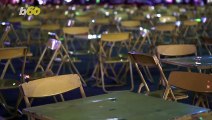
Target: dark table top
x,y
201,62
114,106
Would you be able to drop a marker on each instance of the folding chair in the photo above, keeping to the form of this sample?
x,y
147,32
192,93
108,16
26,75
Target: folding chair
x,y
9,54
45,87
189,32
113,51
176,50
118,18
58,54
5,40
147,61
46,28
208,44
99,25
163,31
195,82
140,35
77,42
28,28
71,32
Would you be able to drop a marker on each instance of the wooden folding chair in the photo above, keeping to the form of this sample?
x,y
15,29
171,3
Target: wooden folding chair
x,y
113,51
118,18
196,82
5,40
45,87
176,50
189,32
163,31
77,42
46,28
147,61
28,28
98,25
71,32
58,54
208,44
9,54
140,35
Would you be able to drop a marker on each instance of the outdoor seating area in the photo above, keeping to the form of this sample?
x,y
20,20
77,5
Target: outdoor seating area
x,y
105,60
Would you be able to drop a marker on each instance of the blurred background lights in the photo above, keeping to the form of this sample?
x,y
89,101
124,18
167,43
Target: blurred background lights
x,y
169,1
68,0
187,1
97,1
42,2
179,1
15,1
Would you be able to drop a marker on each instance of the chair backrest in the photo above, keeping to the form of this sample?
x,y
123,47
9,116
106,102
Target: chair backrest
x,y
112,44
196,82
75,30
121,16
176,50
50,27
102,21
165,28
29,24
51,86
12,53
130,23
143,59
167,19
83,20
15,19
115,37
190,23
139,18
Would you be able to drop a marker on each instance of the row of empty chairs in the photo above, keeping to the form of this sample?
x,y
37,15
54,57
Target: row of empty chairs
x,y
117,38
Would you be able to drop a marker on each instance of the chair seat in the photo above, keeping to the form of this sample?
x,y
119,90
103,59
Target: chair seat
x,y
9,84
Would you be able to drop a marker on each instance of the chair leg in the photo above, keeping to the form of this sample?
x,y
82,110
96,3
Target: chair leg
x,y
149,75
12,67
13,111
200,101
102,78
55,99
140,87
131,77
75,69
